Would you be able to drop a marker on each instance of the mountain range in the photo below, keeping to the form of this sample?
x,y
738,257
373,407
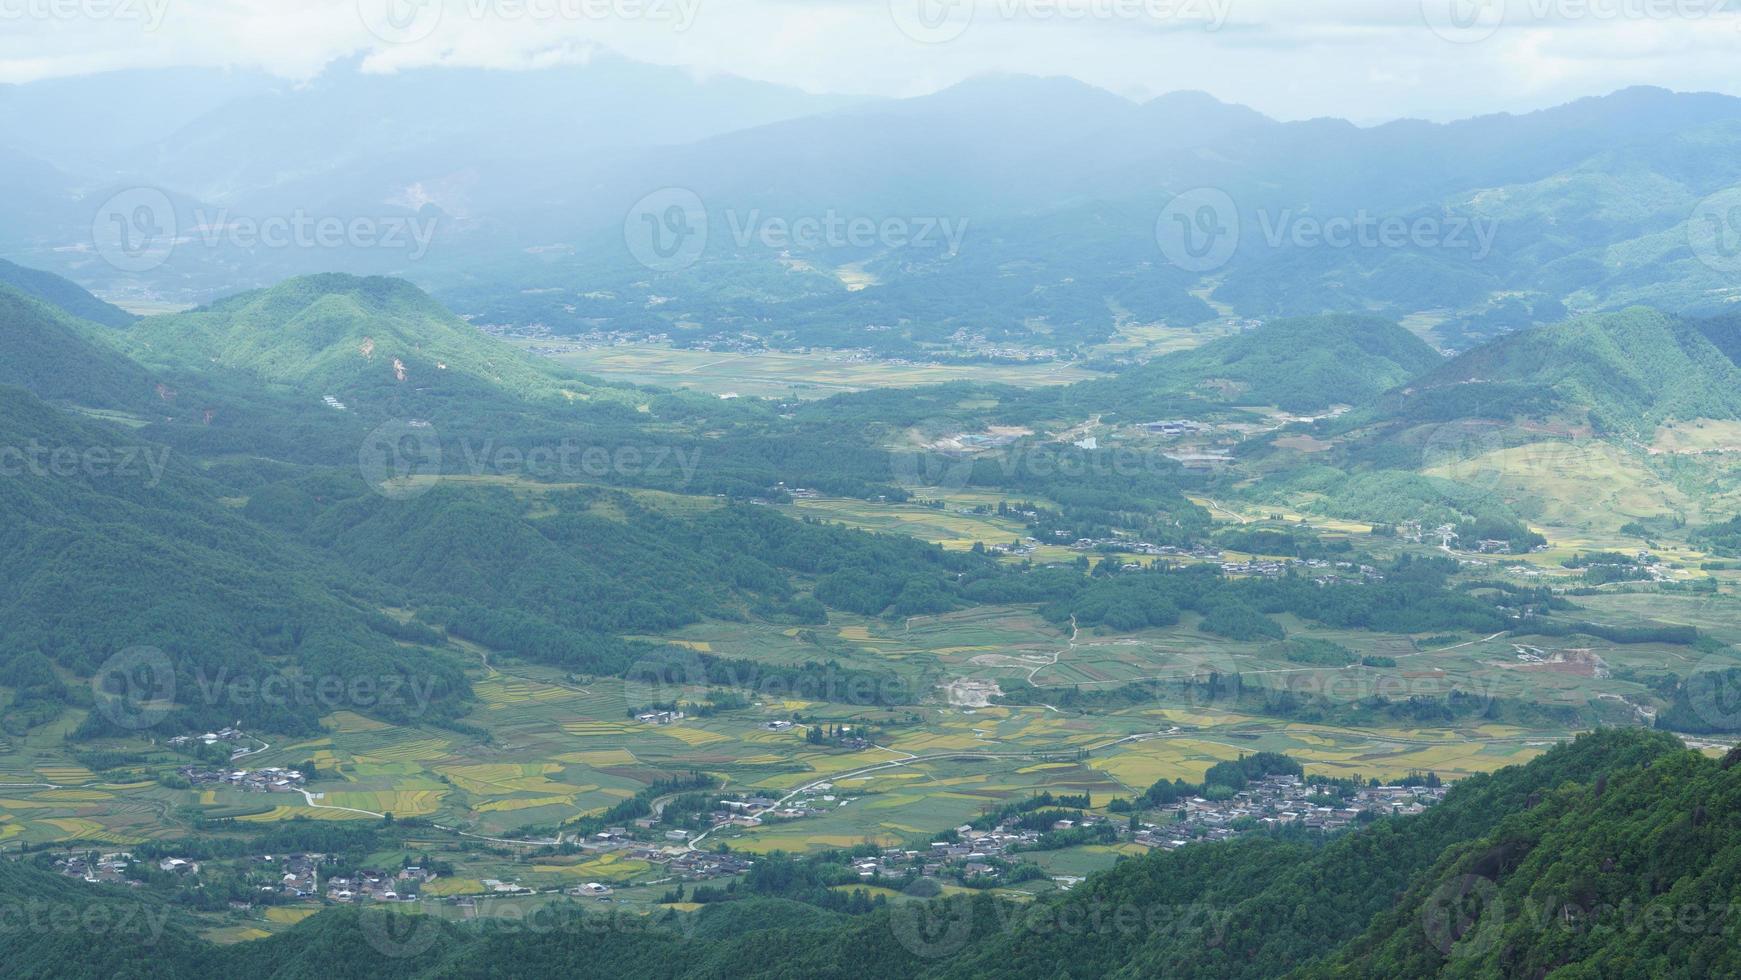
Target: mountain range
x,y
1018,209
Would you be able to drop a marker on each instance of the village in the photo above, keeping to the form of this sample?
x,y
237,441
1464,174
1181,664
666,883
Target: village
x,y
272,779
970,855
1277,801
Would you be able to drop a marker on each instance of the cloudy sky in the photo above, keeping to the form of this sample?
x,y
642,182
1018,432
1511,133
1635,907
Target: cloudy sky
x,y
1368,60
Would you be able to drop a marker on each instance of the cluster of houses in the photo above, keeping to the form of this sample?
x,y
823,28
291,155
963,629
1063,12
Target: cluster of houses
x,y
972,855
969,856
298,874
232,735
675,857
1447,533
674,852
747,813
978,345
1271,802
106,868
1322,571
659,717
1276,801
1176,427
272,779
701,865
380,886
1128,546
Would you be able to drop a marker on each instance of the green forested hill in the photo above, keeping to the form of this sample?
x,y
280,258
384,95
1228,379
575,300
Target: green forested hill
x,y
1624,372
1301,365
109,543
59,929
1632,874
63,293
370,340
1725,333
59,358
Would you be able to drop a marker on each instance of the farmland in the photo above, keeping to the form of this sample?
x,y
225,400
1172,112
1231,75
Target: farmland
x,y
557,752
775,374
540,748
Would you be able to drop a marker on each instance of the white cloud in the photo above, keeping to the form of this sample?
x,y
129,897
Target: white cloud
x,y
1364,59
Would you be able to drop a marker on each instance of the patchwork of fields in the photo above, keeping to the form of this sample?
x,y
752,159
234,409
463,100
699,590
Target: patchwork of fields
x,y
560,747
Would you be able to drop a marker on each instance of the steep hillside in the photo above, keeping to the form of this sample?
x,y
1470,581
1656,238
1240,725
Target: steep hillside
x,y
63,293
60,358
1300,365
109,544
1632,874
1725,333
1622,373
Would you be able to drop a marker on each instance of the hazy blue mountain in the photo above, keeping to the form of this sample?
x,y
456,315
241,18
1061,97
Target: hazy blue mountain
x,y
87,123
1039,203
465,139
1581,207
40,203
